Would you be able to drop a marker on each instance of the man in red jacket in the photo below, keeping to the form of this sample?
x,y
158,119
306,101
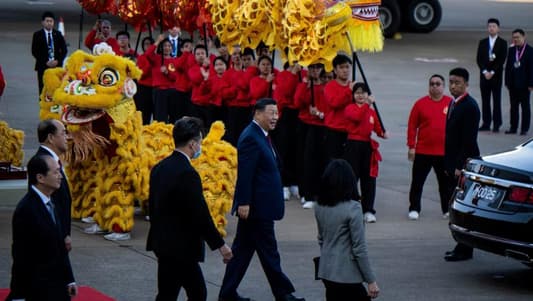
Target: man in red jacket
x,y
425,139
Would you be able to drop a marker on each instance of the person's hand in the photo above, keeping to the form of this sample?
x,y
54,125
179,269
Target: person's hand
x,y
72,290
457,172
205,73
373,290
68,243
530,88
164,69
52,63
270,77
411,154
385,135
160,38
243,211
371,99
488,75
226,253
97,25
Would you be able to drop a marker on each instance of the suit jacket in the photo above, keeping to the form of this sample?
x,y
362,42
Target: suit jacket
x,y
343,251
521,77
61,197
258,176
461,133
41,267
180,221
483,60
39,48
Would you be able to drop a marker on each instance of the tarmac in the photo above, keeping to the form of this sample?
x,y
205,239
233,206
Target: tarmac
x,y
406,256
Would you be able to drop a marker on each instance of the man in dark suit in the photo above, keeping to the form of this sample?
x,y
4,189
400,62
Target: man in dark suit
x,y
258,202
180,221
52,136
491,55
519,81
460,141
48,47
41,267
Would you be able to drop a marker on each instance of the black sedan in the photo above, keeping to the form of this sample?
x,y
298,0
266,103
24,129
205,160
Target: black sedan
x,y
492,207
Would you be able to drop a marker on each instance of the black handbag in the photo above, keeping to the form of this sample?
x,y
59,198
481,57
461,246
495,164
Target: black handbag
x,y
316,261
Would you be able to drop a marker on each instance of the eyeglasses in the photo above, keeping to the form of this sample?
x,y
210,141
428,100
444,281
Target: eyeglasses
x,y
436,84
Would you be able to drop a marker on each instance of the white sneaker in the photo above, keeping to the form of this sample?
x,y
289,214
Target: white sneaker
x,y
413,215
308,205
147,218
286,193
370,218
94,229
302,200
294,191
117,236
88,220
446,215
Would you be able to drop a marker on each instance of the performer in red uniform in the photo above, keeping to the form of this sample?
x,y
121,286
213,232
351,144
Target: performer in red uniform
x,y
183,84
312,109
289,129
201,89
101,32
143,97
361,150
425,139
164,77
123,40
222,89
262,85
338,94
239,108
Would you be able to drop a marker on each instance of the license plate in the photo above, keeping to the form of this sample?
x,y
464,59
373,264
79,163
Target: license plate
x,y
486,193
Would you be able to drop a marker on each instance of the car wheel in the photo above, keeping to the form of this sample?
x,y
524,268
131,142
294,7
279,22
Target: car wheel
x,y
390,17
423,15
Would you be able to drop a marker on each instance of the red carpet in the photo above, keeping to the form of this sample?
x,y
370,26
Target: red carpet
x,y
85,293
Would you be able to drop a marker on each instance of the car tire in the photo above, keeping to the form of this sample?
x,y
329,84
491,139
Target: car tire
x,y
390,17
423,15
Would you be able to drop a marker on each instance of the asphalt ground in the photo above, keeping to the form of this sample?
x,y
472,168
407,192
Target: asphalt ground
x,y
406,255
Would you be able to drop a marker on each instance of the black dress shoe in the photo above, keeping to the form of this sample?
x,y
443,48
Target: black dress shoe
x,y
510,132
484,128
289,297
454,256
523,133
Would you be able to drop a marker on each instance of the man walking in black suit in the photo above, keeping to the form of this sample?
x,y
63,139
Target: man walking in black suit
x,y
491,55
258,202
52,136
460,141
48,47
41,267
519,80
180,221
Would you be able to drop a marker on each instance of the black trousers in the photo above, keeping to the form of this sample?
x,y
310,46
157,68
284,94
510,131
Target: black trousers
x,y
183,104
491,87
144,102
165,105
335,143
520,98
452,183
238,118
255,236
202,112
315,159
345,291
358,154
421,168
286,140
173,273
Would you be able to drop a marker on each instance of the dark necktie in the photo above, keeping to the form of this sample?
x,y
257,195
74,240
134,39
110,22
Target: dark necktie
x,y
50,207
451,106
174,48
50,47
271,146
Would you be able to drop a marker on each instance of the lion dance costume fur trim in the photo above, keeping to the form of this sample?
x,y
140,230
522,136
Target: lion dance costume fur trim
x,y
111,153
